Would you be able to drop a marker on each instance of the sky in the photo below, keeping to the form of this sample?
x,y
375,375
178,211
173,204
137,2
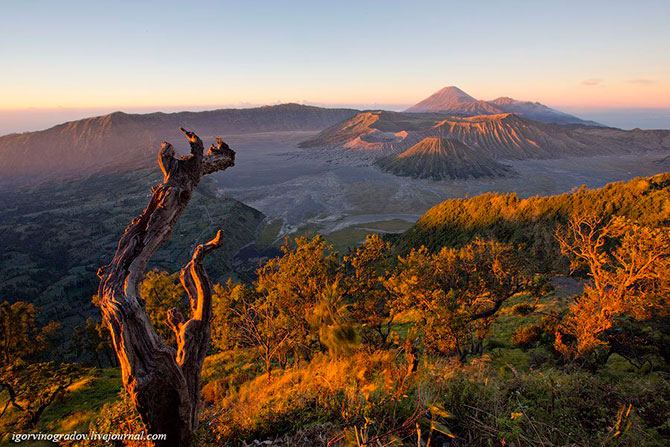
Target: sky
x,y
69,59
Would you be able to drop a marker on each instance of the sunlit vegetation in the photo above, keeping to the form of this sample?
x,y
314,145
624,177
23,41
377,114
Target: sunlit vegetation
x,y
494,321
29,382
629,268
530,223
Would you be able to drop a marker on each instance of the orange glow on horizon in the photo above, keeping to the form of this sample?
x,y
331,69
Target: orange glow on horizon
x,y
590,93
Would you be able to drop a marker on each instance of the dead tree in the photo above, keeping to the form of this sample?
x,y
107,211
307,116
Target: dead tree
x,y
164,383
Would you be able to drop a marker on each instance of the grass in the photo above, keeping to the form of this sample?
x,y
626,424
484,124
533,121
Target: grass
x,y
498,396
74,412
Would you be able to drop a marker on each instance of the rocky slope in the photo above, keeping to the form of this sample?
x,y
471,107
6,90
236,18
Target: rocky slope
x,y
442,158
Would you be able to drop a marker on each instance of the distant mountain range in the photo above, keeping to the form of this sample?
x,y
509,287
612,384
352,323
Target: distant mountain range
x,y
497,137
440,159
502,129
120,140
454,101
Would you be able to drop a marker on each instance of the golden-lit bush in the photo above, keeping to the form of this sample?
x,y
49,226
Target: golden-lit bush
x,y
527,336
629,268
457,292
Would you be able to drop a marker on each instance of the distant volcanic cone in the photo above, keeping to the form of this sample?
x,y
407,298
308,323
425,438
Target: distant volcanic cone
x,y
442,158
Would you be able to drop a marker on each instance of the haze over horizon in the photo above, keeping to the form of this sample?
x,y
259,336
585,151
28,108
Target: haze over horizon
x,y
597,60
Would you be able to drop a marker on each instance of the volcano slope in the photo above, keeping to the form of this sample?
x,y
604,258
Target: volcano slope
x,y
440,158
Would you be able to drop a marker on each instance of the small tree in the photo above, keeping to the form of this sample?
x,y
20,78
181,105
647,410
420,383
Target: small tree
x,y
161,292
224,326
366,269
292,284
32,387
629,267
261,324
457,292
22,338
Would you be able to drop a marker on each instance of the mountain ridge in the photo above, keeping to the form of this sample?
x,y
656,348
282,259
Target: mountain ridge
x,y
119,140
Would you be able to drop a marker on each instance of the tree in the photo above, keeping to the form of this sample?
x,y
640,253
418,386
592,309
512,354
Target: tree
x,y
261,324
161,292
163,382
93,338
293,284
457,292
629,267
366,269
294,307
32,387
224,326
22,338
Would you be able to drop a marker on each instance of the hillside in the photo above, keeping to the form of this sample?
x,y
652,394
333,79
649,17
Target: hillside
x,y
502,136
531,222
410,326
56,236
390,330
120,140
454,101
442,158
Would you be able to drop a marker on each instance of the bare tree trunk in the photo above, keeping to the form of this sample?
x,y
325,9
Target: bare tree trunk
x,y
164,384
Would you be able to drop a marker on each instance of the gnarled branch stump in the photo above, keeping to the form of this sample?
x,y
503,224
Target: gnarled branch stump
x,y
164,384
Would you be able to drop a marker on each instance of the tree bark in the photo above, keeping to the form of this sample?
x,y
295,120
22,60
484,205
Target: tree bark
x,y
163,384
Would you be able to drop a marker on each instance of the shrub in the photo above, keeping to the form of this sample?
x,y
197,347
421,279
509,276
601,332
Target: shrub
x,y
522,309
527,336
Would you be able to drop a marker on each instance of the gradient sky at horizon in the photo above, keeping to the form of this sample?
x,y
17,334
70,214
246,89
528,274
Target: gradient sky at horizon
x,y
155,55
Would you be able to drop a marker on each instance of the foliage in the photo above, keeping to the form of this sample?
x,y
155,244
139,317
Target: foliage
x,y
161,292
365,271
629,266
457,292
32,387
330,318
523,309
30,383
93,339
22,338
292,284
527,336
119,416
372,348
347,390
530,223
261,324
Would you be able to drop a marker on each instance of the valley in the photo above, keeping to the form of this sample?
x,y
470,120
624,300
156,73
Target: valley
x,y
336,191
299,171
